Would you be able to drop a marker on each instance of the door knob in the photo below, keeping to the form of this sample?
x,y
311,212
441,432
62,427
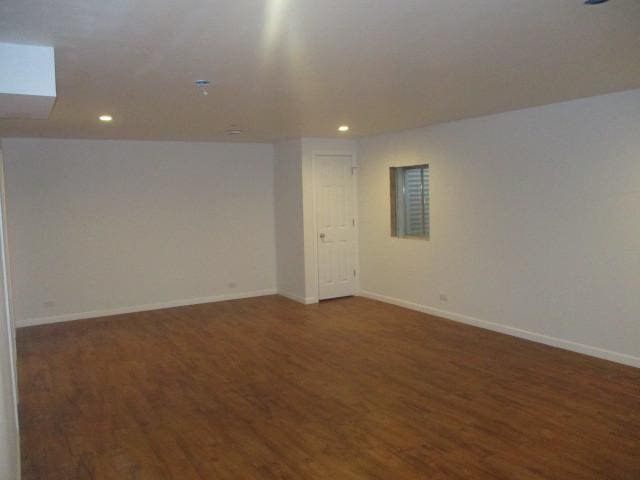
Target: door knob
x,y
322,236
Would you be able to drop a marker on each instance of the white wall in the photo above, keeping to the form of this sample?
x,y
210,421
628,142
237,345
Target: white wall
x,y
28,81
289,220
28,70
98,226
535,226
295,213
9,437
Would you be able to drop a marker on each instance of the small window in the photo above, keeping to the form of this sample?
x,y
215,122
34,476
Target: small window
x,y
410,201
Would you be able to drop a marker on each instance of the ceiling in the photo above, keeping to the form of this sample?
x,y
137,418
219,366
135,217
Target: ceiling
x,y
289,68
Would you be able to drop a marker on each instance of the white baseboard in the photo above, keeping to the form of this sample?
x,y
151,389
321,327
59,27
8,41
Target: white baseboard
x,y
299,299
508,330
29,322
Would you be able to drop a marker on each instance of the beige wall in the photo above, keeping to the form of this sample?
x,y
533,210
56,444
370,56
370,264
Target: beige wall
x,y
535,227
102,226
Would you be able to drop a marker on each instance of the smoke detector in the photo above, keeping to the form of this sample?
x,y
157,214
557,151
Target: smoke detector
x,y
203,86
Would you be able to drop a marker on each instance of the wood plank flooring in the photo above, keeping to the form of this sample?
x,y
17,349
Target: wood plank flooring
x,y
350,389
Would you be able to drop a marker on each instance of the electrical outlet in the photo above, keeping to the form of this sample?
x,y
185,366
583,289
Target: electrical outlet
x,y
444,297
232,285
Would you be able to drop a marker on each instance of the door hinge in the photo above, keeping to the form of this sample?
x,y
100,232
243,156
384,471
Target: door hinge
x,y
353,222
354,272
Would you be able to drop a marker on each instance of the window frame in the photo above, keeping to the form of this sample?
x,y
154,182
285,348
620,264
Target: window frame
x,y
394,177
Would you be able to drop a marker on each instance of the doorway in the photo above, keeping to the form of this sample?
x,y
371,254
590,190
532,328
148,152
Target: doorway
x,y
335,225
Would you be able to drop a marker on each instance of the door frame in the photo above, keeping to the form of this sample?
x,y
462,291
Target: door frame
x,y
354,202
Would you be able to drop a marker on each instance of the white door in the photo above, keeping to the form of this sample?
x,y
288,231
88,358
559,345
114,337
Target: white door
x,y
335,224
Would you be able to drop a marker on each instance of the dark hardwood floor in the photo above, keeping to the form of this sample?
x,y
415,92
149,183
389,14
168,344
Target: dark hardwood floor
x,y
266,388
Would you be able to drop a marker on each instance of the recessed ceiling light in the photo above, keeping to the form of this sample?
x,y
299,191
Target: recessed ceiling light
x,y
343,128
233,130
594,2
105,118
